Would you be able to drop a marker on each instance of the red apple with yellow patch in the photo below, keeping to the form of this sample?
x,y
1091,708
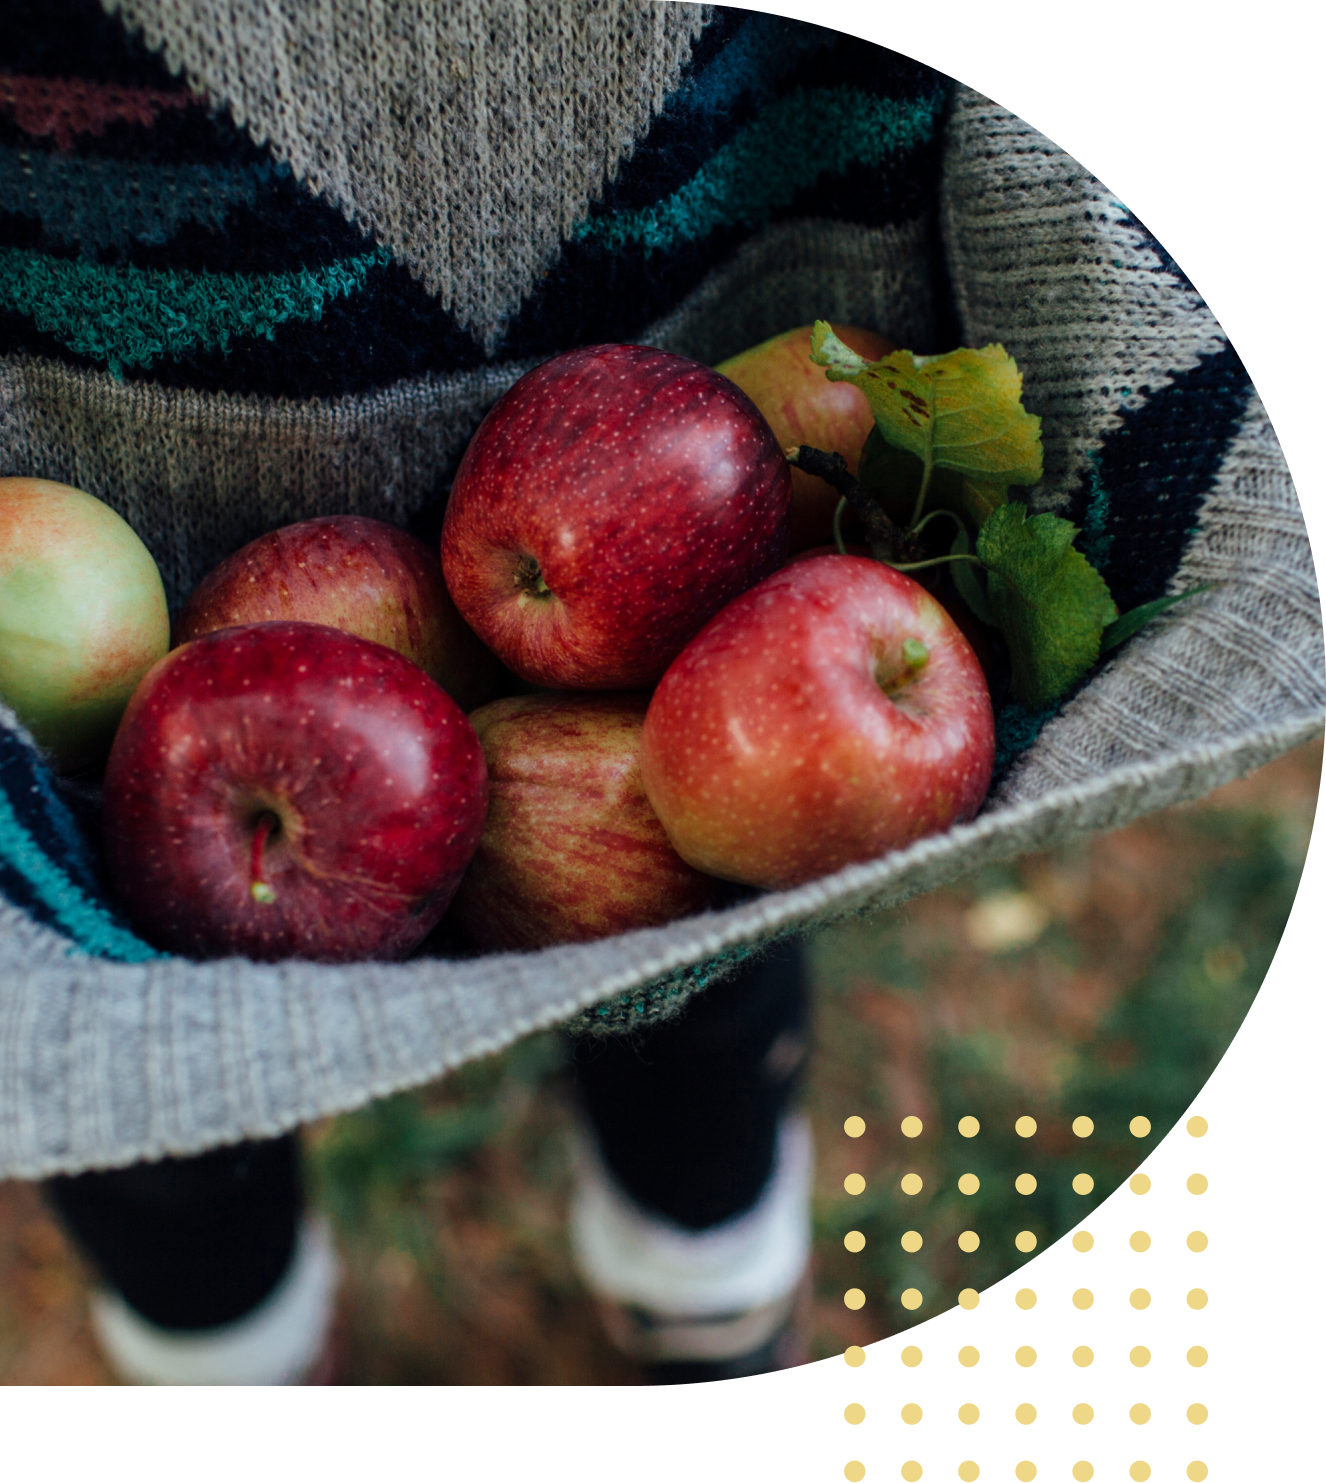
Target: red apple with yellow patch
x,y
571,849
803,406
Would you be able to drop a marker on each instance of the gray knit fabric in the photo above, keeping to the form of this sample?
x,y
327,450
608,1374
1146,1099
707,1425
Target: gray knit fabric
x,y
102,1063
469,137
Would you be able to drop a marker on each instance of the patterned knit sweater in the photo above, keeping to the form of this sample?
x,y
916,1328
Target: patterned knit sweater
x,y
262,263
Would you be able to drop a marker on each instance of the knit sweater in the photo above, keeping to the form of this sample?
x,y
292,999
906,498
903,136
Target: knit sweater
x,y
261,264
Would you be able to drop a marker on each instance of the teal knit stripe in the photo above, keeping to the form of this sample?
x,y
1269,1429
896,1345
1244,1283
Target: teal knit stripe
x,y
135,316
788,147
92,928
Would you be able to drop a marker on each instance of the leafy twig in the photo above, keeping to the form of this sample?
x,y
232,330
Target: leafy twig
x,y
881,532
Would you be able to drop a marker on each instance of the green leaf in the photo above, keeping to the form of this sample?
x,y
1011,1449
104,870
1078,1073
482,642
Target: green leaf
x,y
962,410
1125,627
1051,603
896,477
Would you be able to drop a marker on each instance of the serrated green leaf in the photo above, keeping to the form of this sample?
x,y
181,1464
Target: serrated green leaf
x,y
896,476
1135,618
964,409
1051,603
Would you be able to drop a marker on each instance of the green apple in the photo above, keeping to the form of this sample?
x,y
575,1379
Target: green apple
x,y
82,616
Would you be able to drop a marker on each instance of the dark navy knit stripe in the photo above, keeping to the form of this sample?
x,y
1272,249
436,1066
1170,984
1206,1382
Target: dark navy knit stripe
x,y
76,38
1139,503
37,809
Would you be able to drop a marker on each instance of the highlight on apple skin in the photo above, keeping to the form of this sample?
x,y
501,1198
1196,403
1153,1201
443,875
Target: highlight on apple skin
x,y
82,616
830,714
608,506
571,850
287,790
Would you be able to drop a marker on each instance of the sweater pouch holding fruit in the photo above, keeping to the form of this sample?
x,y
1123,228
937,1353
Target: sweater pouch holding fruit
x,y
267,270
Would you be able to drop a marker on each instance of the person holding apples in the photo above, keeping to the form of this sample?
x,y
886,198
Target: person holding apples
x,y
170,249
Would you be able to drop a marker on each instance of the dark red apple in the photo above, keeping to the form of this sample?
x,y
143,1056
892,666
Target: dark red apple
x,y
362,576
571,849
608,506
802,405
288,790
830,714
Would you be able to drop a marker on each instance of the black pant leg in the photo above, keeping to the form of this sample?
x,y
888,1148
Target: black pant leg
x,y
190,1243
686,1114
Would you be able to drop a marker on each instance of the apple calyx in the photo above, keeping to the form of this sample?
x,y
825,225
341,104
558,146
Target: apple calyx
x,y
261,892
528,577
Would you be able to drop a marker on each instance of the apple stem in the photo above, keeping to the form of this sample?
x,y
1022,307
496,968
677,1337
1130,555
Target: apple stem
x,y
838,527
915,566
261,892
881,532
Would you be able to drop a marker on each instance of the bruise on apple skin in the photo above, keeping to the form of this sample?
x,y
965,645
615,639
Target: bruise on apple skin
x,y
571,850
773,755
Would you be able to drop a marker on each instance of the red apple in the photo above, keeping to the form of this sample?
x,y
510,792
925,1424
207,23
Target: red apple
x,y
608,506
802,405
362,576
571,849
830,714
287,790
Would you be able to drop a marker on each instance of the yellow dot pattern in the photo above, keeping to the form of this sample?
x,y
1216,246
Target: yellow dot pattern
x,y
1083,1184
1025,1413
911,1472
1197,1184
968,1472
911,1413
968,1241
1140,1298
1083,1472
911,1356
1196,1240
1139,1184
1197,1298
1083,1127
854,1355
1025,1472
1139,1414
911,1241
854,1472
1140,1356
912,1184
912,1299
1083,1241
1197,1127
1140,1127
1197,1471
854,1184
1082,1356
854,1414
968,1356
1139,1472
1197,1413
854,1241
968,1298
1083,1298
912,1127
1140,1241
1025,1241
1025,1184
969,1414
968,1127
1025,1298
854,1127
1197,1356
854,1298
1082,1413
968,1184
1026,1356
1025,1127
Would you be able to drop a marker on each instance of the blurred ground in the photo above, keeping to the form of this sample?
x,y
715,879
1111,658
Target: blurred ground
x,y
1105,979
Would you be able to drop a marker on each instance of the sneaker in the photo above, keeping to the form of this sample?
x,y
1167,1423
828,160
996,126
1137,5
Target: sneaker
x,y
716,1304
289,1339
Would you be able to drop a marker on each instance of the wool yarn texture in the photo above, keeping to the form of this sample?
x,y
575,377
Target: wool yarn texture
x,y
262,262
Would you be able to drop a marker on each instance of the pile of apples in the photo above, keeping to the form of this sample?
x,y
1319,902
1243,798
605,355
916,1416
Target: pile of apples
x,y
298,774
